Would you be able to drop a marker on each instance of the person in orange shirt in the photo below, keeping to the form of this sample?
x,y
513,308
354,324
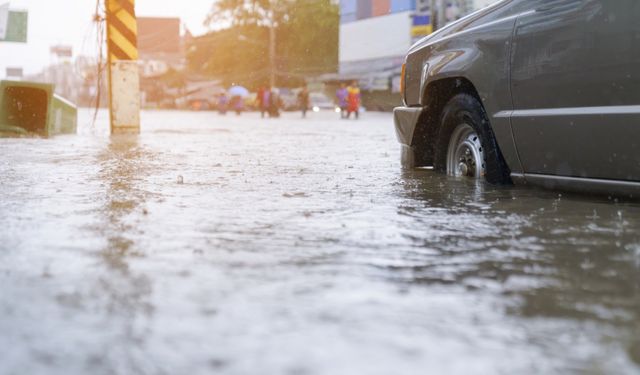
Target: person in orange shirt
x,y
353,100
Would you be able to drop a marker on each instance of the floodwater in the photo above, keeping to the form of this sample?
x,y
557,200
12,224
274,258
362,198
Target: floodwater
x,y
231,245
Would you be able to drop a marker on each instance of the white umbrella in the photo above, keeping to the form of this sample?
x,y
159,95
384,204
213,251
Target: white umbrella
x,y
238,91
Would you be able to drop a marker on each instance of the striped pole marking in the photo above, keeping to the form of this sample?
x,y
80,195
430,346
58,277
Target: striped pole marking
x,y
122,30
124,79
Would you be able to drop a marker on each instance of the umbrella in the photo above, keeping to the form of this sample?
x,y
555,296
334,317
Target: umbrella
x,y
238,91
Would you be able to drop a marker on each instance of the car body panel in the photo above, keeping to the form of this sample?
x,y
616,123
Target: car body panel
x,y
626,189
406,120
576,89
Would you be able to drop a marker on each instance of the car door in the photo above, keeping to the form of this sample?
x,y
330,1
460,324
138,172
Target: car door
x,y
575,81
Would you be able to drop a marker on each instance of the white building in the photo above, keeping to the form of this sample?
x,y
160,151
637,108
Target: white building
x,y
376,34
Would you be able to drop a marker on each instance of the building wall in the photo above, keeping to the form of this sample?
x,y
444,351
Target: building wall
x,y
376,34
356,10
479,4
158,35
465,7
380,8
375,37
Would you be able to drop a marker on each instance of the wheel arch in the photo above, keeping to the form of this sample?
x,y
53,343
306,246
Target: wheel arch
x,y
434,97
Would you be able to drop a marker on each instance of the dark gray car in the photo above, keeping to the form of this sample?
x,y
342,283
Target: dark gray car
x,y
531,91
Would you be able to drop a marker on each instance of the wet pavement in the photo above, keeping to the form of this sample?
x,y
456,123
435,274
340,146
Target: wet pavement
x,y
231,245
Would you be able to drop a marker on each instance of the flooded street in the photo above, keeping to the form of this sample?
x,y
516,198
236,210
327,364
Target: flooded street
x,y
234,245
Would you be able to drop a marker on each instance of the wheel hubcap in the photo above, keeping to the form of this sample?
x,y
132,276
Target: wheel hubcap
x,y
465,156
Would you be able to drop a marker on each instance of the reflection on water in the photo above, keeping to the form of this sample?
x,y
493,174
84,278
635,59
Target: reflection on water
x,y
126,292
226,245
559,256
122,170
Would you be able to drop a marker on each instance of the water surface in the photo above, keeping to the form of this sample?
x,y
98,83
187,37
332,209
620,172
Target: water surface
x,y
234,245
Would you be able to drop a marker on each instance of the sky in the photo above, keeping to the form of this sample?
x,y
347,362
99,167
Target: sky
x,y
68,22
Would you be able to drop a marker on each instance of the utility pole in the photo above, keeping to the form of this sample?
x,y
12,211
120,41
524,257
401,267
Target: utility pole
x,y
124,79
442,13
434,15
272,46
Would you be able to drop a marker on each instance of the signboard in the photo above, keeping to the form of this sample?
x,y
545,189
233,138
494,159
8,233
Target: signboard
x,y
62,51
375,83
14,72
4,19
423,7
421,25
16,30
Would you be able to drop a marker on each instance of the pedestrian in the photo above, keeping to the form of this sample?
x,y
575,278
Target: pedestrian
x,y
341,95
222,103
303,100
238,104
274,103
258,102
265,101
353,100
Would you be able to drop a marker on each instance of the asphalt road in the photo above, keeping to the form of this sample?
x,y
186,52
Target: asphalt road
x,y
235,245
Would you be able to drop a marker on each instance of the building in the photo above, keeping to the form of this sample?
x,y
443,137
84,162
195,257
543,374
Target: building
x,y
161,48
375,36
159,45
62,72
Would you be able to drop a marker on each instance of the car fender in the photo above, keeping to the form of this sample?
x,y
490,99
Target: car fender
x,y
481,56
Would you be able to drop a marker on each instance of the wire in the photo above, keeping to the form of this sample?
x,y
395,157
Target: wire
x,y
100,42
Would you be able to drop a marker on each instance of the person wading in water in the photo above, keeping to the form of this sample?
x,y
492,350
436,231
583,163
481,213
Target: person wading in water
x,y
353,100
303,101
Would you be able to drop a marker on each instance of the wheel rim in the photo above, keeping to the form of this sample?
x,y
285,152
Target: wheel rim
x,y
465,156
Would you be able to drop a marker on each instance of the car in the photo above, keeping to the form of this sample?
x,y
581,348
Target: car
x,y
543,92
289,99
319,101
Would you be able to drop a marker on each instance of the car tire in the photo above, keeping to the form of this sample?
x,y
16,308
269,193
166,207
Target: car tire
x,y
466,145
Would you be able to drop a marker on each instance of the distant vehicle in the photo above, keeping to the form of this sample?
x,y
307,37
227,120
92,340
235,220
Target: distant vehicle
x,y
289,99
532,91
200,105
319,101
251,101
200,96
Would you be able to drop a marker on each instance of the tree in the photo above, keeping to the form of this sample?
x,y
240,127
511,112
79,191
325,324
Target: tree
x,y
236,55
306,41
239,12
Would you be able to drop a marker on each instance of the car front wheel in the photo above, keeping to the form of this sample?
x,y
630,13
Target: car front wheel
x,y
466,146
465,155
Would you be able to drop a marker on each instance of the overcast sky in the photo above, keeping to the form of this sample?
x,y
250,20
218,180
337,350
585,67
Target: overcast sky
x,y
54,22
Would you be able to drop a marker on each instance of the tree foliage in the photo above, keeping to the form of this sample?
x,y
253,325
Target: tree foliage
x,y
306,41
240,12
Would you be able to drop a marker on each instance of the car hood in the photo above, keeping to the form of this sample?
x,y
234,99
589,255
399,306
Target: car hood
x,y
456,26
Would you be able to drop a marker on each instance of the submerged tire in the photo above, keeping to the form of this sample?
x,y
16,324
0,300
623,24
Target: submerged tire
x,y
466,146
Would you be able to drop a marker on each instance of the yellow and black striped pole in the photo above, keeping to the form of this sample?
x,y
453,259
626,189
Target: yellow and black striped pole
x,y
124,80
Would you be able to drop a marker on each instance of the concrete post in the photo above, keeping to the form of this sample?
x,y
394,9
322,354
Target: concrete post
x,y
124,80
